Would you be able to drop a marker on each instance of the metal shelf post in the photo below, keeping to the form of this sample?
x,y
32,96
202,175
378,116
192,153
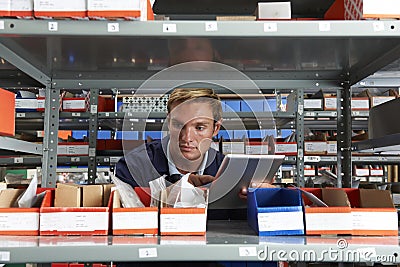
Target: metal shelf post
x,y
93,127
50,140
300,138
344,135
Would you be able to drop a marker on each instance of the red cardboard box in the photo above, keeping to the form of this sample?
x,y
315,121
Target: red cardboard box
x,y
7,111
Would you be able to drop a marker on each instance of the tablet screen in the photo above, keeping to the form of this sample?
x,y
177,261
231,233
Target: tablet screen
x,y
237,171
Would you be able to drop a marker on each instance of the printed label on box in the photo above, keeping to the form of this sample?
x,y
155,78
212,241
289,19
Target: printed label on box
x,y
16,5
376,172
315,147
135,220
186,223
309,172
77,149
19,221
113,5
330,103
332,148
374,220
328,221
73,221
41,103
74,104
272,221
286,148
257,149
312,103
359,104
362,172
381,9
56,5
377,100
26,103
233,148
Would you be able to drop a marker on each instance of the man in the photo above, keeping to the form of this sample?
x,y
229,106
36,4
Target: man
x,y
194,118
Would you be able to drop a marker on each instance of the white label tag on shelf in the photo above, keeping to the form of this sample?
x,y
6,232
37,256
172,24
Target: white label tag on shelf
x,y
324,26
53,26
247,252
21,115
148,253
18,160
75,159
211,26
169,27
76,114
93,109
113,27
312,158
378,26
1,24
4,255
270,27
107,114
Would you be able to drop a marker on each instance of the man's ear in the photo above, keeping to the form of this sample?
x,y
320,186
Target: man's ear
x,y
217,127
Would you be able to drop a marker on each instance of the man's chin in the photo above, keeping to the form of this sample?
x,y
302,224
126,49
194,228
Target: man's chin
x,y
190,156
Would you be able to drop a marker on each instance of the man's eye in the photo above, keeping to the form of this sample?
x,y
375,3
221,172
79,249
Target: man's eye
x,y
200,128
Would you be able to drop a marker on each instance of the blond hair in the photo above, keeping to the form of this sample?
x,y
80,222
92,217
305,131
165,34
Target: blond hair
x,y
206,95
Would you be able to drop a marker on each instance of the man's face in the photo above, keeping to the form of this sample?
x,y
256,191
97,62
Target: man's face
x,y
191,127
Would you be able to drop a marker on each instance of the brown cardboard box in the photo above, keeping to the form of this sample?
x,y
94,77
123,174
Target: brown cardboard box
x,y
106,193
92,196
8,197
68,195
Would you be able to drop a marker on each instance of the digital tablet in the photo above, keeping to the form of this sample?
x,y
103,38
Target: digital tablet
x,y
237,171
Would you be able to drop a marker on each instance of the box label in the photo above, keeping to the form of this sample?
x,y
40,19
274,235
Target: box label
x,y
233,147
312,103
187,223
315,147
328,221
332,148
73,221
15,221
382,8
331,103
113,5
285,148
56,5
272,221
26,103
135,220
74,104
374,220
359,104
16,5
257,149
376,100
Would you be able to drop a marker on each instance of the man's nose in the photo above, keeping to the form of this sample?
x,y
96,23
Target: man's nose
x,y
187,134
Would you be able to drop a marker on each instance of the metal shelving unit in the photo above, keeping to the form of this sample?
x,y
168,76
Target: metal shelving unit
x,y
301,55
225,241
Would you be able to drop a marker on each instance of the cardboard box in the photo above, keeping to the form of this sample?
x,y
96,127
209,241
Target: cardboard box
x,y
57,9
315,148
360,171
330,103
16,8
373,212
182,221
324,220
14,220
134,221
275,211
313,104
377,100
75,104
345,10
274,10
74,220
360,103
286,148
130,10
256,148
7,111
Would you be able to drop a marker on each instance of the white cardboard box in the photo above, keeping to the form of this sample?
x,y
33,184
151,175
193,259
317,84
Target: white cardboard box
x,y
315,147
381,9
377,100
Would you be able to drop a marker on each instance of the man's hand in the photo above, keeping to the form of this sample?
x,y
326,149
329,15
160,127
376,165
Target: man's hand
x,y
243,192
199,180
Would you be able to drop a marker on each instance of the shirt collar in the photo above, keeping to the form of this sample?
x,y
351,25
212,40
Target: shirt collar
x,y
173,170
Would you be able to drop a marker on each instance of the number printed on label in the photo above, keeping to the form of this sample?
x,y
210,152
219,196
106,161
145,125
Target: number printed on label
x,y
53,26
148,253
169,27
113,27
